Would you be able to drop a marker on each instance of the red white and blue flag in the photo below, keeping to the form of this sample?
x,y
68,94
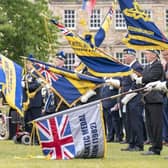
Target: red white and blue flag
x,y
56,137
68,85
74,133
88,5
46,73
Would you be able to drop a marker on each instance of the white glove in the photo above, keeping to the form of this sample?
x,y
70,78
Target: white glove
x,y
43,92
150,86
157,85
139,80
115,107
113,82
134,76
40,80
87,95
23,84
48,86
127,98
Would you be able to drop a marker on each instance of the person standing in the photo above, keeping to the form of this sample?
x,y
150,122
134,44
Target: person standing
x,y
165,103
134,116
153,101
110,118
32,92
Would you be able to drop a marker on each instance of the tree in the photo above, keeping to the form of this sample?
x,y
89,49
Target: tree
x,y
23,30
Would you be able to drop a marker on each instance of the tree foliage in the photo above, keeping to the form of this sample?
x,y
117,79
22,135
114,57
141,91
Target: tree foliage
x,y
24,31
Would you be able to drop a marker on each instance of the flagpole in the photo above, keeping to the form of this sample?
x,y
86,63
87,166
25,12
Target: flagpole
x,y
124,93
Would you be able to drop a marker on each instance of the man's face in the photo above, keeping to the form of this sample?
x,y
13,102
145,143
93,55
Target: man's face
x,y
59,62
28,65
150,56
165,55
128,58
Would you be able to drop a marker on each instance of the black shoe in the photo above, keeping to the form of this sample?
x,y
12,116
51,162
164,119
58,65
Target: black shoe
x,y
137,148
147,142
110,140
127,149
123,142
150,153
117,140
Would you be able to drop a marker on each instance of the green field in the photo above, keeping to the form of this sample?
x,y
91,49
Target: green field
x,y
19,156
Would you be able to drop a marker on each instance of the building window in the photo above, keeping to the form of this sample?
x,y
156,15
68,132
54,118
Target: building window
x,y
70,59
120,23
167,19
143,60
69,19
148,12
95,19
119,57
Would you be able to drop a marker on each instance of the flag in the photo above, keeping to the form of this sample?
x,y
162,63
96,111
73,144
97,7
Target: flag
x,y
68,85
98,63
105,26
2,75
84,4
142,32
88,5
74,133
12,88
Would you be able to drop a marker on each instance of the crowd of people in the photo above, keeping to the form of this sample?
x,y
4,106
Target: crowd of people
x,y
144,114
137,118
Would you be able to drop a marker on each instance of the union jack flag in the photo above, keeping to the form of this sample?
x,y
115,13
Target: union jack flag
x,y
62,28
56,137
46,73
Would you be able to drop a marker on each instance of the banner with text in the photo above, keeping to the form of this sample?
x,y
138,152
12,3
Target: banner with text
x,y
74,133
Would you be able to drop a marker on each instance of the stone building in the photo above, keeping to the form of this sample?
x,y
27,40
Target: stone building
x,y
71,15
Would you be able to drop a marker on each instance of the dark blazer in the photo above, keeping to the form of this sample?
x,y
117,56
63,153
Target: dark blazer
x,y
151,73
107,92
126,82
33,85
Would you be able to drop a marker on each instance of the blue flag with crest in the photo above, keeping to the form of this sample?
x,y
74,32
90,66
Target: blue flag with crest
x,y
12,89
142,31
68,85
98,63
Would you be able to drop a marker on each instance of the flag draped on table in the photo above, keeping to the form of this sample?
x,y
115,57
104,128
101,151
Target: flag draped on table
x,y
142,32
74,133
97,62
12,88
68,85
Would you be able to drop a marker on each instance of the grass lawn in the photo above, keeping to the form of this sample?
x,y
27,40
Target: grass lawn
x,y
18,156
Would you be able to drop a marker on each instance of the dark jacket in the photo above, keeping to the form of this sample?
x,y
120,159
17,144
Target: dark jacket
x,y
126,82
107,92
151,73
33,87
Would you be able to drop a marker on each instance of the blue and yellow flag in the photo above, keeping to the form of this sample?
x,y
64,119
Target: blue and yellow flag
x,y
105,26
12,88
68,85
98,63
2,75
142,32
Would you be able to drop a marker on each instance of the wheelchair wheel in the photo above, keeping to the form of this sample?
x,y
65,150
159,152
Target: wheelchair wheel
x,y
25,139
